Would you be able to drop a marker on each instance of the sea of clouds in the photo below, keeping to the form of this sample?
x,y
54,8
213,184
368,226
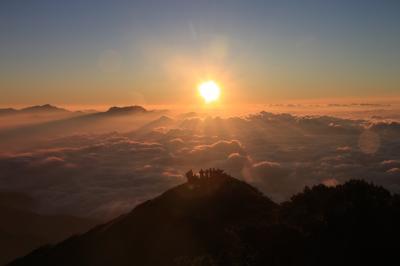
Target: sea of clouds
x,y
102,175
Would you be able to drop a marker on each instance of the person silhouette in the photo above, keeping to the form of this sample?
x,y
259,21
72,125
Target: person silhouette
x,y
201,172
212,172
190,176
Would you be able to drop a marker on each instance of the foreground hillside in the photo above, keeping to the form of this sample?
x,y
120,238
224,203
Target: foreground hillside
x,y
220,220
23,230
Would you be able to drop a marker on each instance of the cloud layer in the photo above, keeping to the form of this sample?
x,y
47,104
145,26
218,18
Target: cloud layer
x,y
104,175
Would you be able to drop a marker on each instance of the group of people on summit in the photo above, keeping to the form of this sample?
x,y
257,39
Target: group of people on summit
x,y
207,173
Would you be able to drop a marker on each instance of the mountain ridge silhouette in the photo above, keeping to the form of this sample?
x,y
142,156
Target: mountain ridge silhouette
x,y
221,220
35,109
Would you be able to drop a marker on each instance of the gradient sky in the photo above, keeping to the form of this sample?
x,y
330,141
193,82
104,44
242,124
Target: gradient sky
x,y
156,52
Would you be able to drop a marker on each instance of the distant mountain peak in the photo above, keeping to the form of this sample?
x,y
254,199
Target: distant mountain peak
x,y
126,109
43,108
36,109
7,111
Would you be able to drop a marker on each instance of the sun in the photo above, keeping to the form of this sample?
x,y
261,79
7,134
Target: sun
x,y
210,91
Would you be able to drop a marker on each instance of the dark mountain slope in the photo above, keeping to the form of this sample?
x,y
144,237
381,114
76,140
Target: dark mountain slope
x,y
351,224
215,221
22,230
224,221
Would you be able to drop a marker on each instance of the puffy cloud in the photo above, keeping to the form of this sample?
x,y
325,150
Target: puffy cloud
x,y
330,182
269,169
219,150
390,163
271,177
393,171
236,164
344,149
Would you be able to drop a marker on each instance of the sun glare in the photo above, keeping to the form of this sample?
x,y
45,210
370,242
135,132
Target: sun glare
x,y
209,90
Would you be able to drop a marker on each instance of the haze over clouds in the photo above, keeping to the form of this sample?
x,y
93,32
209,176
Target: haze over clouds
x,y
104,174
